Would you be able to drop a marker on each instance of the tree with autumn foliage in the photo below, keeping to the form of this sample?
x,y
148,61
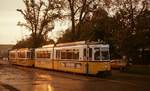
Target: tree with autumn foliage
x,y
124,24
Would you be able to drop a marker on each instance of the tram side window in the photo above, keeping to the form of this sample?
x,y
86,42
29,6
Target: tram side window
x,y
49,54
84,52
32,54
43,54
63,55
12,55
57,54
90,53
46,54
66,54
21,54
38,54
70,54
76,54
105,55
28,54
97,54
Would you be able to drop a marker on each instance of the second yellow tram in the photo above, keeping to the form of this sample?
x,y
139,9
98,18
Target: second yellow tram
x,y
22,56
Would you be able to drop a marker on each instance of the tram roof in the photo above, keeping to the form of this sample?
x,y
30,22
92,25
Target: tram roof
x,y
19,49
73,44
79,43
13,50
47,46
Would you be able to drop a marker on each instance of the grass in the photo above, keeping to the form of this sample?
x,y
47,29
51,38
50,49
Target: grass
x,y
139,69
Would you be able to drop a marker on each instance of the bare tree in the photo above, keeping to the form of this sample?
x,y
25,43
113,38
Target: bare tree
x,y
39,16
79,11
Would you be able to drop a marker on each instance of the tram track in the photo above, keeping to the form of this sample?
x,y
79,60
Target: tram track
x,y
15,78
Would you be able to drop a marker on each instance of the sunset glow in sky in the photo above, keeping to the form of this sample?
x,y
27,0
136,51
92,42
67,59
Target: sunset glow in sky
x,y
10,33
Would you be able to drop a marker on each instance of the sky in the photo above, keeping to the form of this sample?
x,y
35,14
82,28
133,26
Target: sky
x,y
10,33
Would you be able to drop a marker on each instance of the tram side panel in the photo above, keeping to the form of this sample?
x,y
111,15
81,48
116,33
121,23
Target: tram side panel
x,y
42,63
98,67
81,65
25,62
70,66
63,63
75,59
60,62
13,56
25,57
43,58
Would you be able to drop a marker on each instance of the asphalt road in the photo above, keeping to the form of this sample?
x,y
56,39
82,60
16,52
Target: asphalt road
x,y
16,78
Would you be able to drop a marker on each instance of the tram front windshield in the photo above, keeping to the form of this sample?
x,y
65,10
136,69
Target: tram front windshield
x,y
97,54
105,55
101,55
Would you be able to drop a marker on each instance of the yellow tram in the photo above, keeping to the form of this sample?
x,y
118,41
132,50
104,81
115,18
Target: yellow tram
x,y
13,56
23,57
77,57
44,57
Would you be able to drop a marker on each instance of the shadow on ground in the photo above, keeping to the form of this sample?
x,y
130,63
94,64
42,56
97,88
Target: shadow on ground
x,y
9,87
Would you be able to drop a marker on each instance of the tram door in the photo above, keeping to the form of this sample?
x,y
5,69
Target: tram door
x,y
88,54
97,54
30,54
